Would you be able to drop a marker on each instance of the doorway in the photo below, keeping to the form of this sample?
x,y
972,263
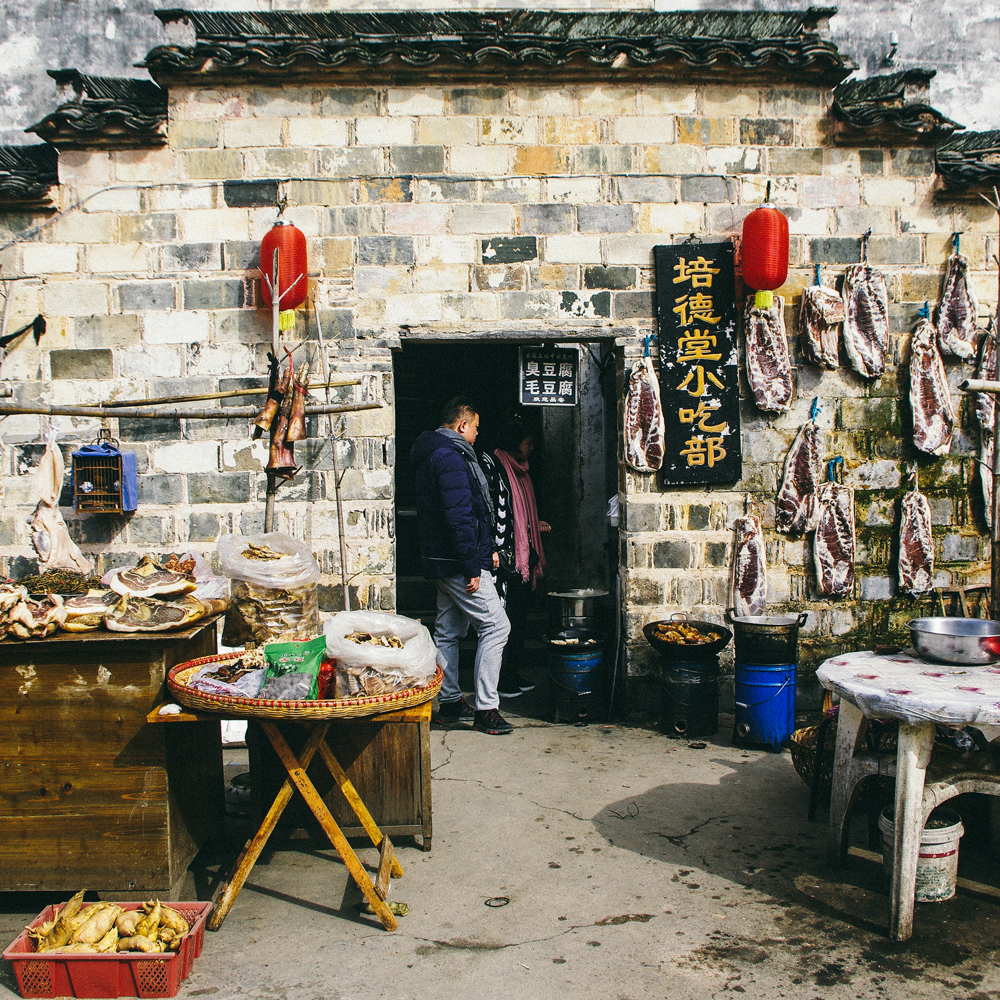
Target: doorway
x,y
573,469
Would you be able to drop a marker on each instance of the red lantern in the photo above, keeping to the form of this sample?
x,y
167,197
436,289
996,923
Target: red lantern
x,y
292,278
765,252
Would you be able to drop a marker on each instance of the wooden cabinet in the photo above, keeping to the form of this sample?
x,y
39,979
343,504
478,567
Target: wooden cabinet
x,y
387,758
90,795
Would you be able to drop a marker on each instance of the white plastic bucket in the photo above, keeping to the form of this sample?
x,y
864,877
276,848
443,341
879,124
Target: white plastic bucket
x,y
937,864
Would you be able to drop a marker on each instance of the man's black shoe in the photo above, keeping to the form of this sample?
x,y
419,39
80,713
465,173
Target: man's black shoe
x,y
492,722
451,713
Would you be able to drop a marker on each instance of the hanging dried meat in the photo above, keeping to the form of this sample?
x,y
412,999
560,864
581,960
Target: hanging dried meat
x,y
820,316
645,428
930,398
916,545
749,582
834,544
956,316
985,414
866,318
795,509
769,371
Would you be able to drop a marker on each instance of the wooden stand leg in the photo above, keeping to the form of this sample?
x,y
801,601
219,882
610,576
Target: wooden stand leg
x,y
230,889
315,802
425,782
912,757
354,800
849,728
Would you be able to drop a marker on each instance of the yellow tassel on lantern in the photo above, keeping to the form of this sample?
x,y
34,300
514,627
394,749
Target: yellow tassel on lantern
x,y
286,318
763,300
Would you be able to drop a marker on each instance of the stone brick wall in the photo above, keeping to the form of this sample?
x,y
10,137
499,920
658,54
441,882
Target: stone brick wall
x,y
488,208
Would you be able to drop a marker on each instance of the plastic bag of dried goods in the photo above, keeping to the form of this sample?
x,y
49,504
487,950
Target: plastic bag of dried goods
x,y
292,670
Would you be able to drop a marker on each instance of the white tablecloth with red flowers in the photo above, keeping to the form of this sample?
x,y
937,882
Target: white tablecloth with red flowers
x,y
903,686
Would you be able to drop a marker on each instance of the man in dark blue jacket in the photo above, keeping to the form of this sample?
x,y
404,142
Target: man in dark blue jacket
x,y
455,522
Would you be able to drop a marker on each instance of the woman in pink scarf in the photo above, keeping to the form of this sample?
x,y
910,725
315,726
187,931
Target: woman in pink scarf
x,y
518,538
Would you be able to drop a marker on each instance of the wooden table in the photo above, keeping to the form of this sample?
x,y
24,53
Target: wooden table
x,y
296,764
92,796
919,695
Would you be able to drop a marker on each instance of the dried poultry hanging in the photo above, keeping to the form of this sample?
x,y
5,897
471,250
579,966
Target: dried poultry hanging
x,y
930,398
749,579
986,368
820,317
769,370
835,543
795,508
645,428
957,311
866,316
916,543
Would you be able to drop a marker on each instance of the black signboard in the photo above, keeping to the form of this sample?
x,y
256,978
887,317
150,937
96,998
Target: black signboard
x,y
699,363
548,376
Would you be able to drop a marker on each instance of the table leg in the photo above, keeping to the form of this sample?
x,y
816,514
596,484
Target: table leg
x,y
355,802
849,732
314,800
913,754
230,889
425,782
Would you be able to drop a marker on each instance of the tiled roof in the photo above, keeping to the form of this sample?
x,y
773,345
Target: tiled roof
x,y
106,112
27,173
889,108
971,159
691,43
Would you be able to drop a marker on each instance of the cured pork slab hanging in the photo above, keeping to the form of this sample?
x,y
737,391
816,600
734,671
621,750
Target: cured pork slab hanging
x,y
820,318
835,542
916,545
769,370
644,425
866,316
985,410
956,315
930,398
795,508
749,582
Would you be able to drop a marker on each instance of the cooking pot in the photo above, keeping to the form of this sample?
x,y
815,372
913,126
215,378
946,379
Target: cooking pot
x,y
766,639
968,641
577,608
683,652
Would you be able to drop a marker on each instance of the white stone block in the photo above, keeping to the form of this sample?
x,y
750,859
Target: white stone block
x,y
215,225
49,258
240,133
162,361
645,129
123,258
412,101
448,131
220,359
607,99
508,130
484,219
543,101
685,217
145,165
75,298
425,219
465,307
441,278
175,327
407,310
667,99
632,249
317,132
574,189
383,131
490,161
894,192
85,167
445,250
186,456
572,249
244,456
810,221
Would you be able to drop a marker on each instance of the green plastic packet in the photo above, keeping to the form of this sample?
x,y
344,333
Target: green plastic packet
x,y
293,670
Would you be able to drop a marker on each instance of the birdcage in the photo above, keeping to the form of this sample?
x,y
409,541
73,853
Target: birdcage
x,y
104,477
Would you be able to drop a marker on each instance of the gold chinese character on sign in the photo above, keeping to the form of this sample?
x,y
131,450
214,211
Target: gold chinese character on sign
x,y
700,416
698,272
697,308
699,375
704,451
696,346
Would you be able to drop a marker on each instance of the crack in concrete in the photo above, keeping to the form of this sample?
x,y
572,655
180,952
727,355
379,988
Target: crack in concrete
x,y
582,819
678,839
450,750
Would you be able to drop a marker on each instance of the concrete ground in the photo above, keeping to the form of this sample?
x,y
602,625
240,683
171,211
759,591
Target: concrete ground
x,y
633,866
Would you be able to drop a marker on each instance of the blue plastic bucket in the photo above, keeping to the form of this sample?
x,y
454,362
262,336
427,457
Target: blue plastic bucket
x,y
576,673
765,704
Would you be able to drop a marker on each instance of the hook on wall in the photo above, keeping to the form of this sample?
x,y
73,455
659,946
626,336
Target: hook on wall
x,y
815,410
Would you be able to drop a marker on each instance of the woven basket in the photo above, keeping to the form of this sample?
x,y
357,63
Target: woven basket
x,y
255,708
802,746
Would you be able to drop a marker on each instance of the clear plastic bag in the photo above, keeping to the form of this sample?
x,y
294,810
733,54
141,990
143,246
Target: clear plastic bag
x,y
367,669
246,687
273,600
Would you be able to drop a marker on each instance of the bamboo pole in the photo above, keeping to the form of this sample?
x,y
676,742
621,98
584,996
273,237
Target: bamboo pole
x,y
272,479
336,471
261,391
140,413
995,533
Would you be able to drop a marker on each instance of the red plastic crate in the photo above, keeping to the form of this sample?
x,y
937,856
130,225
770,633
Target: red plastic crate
x,y
129,974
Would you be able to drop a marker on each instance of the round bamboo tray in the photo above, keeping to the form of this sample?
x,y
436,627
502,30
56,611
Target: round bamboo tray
x,y
254,708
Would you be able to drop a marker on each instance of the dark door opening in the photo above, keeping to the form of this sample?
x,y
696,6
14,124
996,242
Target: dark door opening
x,y
573,468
